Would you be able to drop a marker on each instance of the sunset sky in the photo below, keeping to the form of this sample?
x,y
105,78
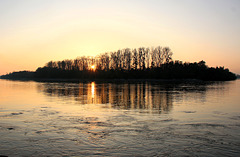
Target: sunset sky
x,y
33,32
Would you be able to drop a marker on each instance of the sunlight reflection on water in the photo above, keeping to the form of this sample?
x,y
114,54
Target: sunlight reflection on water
x,y
118,119
93,88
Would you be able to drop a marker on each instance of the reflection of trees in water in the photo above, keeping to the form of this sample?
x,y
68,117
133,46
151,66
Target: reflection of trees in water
x,y
140,96
149,96
122,96
133,96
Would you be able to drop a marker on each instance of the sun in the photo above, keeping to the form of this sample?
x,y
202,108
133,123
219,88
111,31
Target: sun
x,y
93,67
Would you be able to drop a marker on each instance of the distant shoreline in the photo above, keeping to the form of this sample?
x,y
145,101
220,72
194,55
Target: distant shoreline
x,y
172,71
107,80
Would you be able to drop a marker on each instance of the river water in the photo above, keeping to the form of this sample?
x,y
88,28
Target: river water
x,y
120,119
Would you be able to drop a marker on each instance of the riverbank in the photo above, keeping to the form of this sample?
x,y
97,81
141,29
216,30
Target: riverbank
x,y
104,80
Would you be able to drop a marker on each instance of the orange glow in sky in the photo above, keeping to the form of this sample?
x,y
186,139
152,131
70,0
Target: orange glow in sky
x,y
35,32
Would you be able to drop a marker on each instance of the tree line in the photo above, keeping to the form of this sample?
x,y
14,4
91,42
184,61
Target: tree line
x,y
125,59
141,63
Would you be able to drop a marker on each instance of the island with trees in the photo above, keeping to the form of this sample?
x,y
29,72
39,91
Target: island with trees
x,y
142,63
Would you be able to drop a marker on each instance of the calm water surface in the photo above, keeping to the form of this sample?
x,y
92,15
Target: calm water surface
x,y
120,119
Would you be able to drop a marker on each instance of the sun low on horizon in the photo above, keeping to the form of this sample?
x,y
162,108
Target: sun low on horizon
x,y
35,32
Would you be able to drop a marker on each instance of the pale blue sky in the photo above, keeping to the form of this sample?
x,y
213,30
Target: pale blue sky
x,y
34,32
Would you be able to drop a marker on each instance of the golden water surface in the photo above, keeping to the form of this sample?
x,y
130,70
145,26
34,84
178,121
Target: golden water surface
x,y
119,119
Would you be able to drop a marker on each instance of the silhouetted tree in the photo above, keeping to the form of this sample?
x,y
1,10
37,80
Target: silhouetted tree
x,y
135,59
